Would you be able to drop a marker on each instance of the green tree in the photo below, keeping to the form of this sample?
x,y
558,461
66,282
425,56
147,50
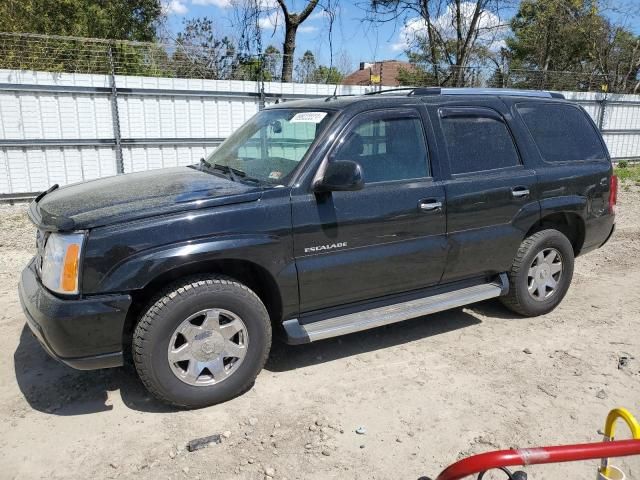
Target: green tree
x,y
569,44
552,34
329,75
122,20
617,57
119,20
272,61
306,67
415,76
201,52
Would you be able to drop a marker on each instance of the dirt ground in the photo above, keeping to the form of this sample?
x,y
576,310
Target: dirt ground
x,y
428,391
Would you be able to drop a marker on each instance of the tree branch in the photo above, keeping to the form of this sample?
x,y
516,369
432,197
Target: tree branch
x,y
307,10
283,6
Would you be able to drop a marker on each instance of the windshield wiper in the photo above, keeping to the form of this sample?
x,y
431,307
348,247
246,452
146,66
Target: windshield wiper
x,y
234,173
204,164
231,173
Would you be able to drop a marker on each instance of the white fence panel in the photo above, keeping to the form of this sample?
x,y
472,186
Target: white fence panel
x,y
59,127
138,159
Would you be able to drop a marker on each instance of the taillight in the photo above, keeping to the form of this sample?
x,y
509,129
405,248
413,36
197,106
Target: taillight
x,y
613,193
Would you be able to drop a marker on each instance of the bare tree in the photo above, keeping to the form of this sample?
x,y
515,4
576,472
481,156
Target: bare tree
x,y
447,33
248,16
292,21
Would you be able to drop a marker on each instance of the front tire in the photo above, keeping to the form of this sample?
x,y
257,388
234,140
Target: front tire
x,y
203,341
540,274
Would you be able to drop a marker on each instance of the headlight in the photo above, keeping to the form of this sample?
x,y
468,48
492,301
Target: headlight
x,y
61,262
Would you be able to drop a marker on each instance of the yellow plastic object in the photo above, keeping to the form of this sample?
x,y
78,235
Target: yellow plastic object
x,y
69,277
607,472
624,414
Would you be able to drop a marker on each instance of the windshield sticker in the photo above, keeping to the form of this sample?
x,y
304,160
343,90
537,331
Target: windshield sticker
x,y
275,175
308,117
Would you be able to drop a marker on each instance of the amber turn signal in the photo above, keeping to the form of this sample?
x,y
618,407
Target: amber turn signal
x,y
69,277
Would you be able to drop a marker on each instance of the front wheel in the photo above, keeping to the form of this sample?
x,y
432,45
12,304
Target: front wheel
x,y
202,342
540,274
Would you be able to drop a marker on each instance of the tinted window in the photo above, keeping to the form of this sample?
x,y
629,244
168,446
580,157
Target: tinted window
x,y
476,142
561,132
387,149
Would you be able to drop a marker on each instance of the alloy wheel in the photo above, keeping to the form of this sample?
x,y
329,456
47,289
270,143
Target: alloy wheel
x,y
208,347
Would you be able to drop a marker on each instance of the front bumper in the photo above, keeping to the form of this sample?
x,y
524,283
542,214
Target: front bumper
x,y
83,333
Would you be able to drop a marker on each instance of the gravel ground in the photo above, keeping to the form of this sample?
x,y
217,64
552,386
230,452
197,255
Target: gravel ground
x,y
426,392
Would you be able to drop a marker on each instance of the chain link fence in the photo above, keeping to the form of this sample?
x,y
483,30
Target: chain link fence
x,y
221,62
420,74
52,53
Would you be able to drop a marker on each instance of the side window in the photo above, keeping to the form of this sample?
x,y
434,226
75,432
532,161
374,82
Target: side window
x,y
477,140
561,132
387,149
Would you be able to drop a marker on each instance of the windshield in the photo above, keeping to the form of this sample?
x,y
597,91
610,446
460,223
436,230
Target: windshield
x,y
269,146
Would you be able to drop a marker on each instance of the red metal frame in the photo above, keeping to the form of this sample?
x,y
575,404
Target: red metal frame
x,y
534,456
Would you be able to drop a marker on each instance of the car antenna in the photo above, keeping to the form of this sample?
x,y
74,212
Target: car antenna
x,y
335,94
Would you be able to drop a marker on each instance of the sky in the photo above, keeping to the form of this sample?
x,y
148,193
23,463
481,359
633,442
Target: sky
x,y
354,40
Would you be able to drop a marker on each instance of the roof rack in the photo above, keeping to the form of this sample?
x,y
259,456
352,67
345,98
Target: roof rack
x,y
392,90
470,91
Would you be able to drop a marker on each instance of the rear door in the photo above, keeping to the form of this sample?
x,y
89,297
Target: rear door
x,y
574,170
491,194
386,238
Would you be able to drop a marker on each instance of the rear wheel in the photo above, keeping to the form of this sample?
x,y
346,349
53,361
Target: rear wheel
x,y
202,342
540,274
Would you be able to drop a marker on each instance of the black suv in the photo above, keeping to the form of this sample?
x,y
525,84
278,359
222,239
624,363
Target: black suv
x,y
318,218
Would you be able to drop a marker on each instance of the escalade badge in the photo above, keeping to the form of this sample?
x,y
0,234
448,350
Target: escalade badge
x,y
320,248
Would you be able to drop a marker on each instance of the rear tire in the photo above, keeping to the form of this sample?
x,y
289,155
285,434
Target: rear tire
x,y
540,274
202,341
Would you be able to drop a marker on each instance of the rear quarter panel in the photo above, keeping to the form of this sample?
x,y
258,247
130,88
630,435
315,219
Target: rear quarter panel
x,y
578,187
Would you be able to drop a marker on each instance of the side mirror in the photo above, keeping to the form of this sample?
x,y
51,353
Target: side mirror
x,y
340,176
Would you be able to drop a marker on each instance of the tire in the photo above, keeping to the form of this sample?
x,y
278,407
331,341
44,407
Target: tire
x,y
527,261
177,311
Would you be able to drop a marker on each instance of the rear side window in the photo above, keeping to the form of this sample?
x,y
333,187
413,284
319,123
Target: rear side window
x,y
561,132
477,140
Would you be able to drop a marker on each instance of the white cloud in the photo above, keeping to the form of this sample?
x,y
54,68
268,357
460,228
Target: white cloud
x,y
272,20
307,29
215,3
264,4
174,7
491,31
318,15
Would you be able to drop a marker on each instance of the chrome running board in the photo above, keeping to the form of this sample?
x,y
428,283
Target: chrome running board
x,y
377,317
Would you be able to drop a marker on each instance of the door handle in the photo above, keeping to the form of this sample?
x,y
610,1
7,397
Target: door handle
x,y
519,192
430,205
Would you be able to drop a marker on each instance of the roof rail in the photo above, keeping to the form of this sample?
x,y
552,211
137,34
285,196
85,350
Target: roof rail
x,y
392,90
471,91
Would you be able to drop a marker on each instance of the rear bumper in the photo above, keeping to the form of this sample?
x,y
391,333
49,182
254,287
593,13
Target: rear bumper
x,y
613,229
598,231
85,334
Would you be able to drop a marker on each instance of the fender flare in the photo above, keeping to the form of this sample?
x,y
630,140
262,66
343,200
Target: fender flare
x,y
140,269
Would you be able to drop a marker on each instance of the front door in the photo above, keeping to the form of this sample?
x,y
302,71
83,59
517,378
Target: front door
x,y
386,238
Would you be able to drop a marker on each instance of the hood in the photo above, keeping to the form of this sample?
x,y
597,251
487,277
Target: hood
x,y
136,195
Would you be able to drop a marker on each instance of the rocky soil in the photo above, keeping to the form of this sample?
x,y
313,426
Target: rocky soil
x,y
396,402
